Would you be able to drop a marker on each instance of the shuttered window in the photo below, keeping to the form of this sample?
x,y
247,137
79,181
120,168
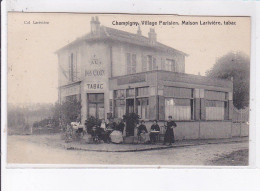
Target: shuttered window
x,y
73,67
163,64
151,63
144,67
170,65
131,63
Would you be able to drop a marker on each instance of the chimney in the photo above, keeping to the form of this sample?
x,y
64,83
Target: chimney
x,y
152,35
139,32
95,25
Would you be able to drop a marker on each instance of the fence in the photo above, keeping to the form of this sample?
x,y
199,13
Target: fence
x,y
240,125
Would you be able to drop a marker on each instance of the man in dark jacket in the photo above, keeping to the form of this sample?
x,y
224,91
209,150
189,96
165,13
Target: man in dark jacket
x,y
153,134
169,134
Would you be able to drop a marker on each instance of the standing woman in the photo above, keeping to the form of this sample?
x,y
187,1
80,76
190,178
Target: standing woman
x,y
169,134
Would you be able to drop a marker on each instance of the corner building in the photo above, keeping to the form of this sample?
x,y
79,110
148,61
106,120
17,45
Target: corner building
x,y
113,72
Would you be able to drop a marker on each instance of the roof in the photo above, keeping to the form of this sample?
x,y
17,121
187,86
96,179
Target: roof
x,y
123,36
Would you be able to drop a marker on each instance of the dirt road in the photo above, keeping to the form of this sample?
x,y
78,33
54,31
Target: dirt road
x,y
22,150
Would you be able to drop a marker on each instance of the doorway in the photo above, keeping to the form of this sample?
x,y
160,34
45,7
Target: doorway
x,y
129,106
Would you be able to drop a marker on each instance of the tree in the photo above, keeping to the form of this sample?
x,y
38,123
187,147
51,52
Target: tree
x,y
236,65
67,112
131,119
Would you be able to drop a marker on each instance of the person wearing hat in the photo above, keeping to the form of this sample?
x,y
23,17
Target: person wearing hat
x,y
169,134
155,130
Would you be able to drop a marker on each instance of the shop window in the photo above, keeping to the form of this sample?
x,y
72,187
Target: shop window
x,y
215,95
119,94
119,108
131,63
216,105
96,105
170,65
130,92
143,108
215,110
179,109
143,91
178,92
151,63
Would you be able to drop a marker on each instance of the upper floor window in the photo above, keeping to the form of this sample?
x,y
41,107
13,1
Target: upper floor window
x,y
72,68
170,65
151,63
131,63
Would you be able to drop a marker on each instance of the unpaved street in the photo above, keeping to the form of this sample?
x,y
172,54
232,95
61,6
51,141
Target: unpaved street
x,y
22,150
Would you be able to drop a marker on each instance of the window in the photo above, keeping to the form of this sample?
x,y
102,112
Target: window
x,y
72,68
179,109
119,94
179,103
178,92
170,65
130,92
216,105
131,63
96,105
143,108
151,63
119,108
143,91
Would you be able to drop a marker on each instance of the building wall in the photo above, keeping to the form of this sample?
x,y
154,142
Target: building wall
x,y
198,129
119,58
93,64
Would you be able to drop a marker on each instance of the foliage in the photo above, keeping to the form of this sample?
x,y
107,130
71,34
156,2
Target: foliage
x,y
44,123
67,112
236,65
131,120
15,118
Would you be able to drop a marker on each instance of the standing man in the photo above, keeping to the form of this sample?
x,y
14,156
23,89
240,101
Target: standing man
x,y
169,134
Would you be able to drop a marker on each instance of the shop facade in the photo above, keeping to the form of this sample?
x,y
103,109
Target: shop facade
x,y
113,73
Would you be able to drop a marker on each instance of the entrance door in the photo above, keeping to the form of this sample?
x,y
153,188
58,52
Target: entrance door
x,y
129,109
129,106
96,105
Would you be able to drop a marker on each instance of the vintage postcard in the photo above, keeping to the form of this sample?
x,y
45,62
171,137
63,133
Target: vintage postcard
x,y
126,89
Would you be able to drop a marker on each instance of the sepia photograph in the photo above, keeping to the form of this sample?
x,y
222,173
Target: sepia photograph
x,y
128,89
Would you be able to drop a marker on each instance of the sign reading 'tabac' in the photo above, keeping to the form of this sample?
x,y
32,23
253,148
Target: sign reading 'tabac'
x,y
95,86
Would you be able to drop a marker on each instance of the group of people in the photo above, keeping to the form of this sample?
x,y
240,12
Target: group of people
x,y
144,136
109,132
113,131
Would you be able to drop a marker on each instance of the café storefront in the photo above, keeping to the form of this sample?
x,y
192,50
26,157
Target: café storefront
x,y
196,103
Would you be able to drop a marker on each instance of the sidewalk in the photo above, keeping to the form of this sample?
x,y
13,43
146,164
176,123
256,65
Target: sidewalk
x,y
104,147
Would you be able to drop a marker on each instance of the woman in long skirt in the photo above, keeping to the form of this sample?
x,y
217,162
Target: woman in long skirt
x,y
169,134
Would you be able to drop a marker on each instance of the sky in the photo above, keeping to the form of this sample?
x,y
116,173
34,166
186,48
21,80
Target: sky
x,y
33,64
